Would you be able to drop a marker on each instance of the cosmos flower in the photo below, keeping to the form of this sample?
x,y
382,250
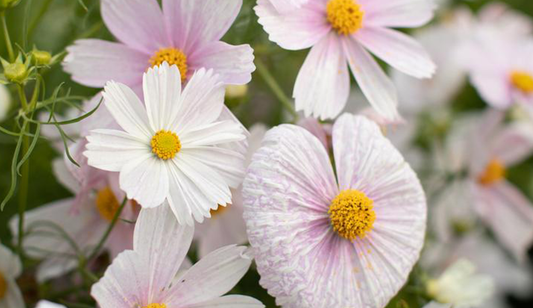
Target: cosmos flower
x,y
185,33
322,240
340,32
461,286
47,304
284,6
173,148
482,149
226,225
52,229
5,102
146,276
10,269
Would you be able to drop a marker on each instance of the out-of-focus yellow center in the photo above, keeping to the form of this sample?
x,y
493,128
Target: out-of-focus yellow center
x,y
221,209
522,81
494,172
165,144
3,286
345,16
156,306
351,214
107,204
171,56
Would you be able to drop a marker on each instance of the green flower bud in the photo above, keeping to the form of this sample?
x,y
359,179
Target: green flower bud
x,y
16,72
41,57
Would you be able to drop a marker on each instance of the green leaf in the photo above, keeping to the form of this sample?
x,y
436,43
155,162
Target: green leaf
x,y
30,149
11,191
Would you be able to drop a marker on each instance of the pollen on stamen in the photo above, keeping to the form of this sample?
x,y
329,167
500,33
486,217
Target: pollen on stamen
x,y
3,286
345,16
107,204
494,172
352,214
156,306
522,81
172,56
165,144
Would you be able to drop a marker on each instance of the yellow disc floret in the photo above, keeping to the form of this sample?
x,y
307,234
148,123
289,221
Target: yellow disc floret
x,y
221,209
345,16
156,306
3,286
523,81
165,144
351,214
107,204
172,56
494,172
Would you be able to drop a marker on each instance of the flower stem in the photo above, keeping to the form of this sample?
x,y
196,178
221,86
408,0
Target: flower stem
x,y
275,87
23,192
108,231
7,38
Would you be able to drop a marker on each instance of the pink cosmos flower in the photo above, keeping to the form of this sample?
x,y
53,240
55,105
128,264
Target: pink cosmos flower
x,y
287,5
322,240
145,277
484,148
186,33
226,225
49,227
340,32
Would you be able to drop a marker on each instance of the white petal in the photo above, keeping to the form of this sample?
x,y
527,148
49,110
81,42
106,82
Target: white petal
x,y
216,133
13,297
398,13
9,263
231,301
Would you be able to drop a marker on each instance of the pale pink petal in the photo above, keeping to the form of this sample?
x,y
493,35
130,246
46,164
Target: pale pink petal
x,y
162,244
162,92
10,264
323,83
509,214
212,277
374,83
493,88
146,180
299,29
397,13
127,110
64,176
512,144
287,6
317,129
110,150
398,50
231,301
93,62
137,23
192,23
13,296
234,64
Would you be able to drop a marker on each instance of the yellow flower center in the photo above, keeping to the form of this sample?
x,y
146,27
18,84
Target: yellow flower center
x,y
494,172
3,286
165,144
351,214
221,209
156,306
345,16
522,81
172,56
107,204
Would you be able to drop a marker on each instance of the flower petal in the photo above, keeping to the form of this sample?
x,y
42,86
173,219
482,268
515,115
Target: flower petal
x,y
397,13
234,64
136,23
217,133
93,62
323,83
211,277
299,29
398,50
374,83
13,296
231,301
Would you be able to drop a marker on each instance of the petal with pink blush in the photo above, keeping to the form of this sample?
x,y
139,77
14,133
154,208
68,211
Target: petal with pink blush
x,y
137,23
234,64
192,23
374,83
397,13
231,301
93,62
493,88
512,144
398,50
323,83
299,29
213,276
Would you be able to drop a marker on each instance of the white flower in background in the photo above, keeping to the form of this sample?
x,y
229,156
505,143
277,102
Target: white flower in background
x,y
47,304
5,102
10,269
437,305
175,148
461,286
226,225
146,276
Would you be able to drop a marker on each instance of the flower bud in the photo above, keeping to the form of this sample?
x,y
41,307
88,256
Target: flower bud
x,y
41,57
16,72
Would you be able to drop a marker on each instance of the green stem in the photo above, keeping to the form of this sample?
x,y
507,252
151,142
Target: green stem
x,y
23,192
7,38
108,231
275,87
22,96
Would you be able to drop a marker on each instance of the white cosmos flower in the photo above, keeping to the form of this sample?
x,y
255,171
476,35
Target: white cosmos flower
x,y
175,147
47,304
10,269
5,101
